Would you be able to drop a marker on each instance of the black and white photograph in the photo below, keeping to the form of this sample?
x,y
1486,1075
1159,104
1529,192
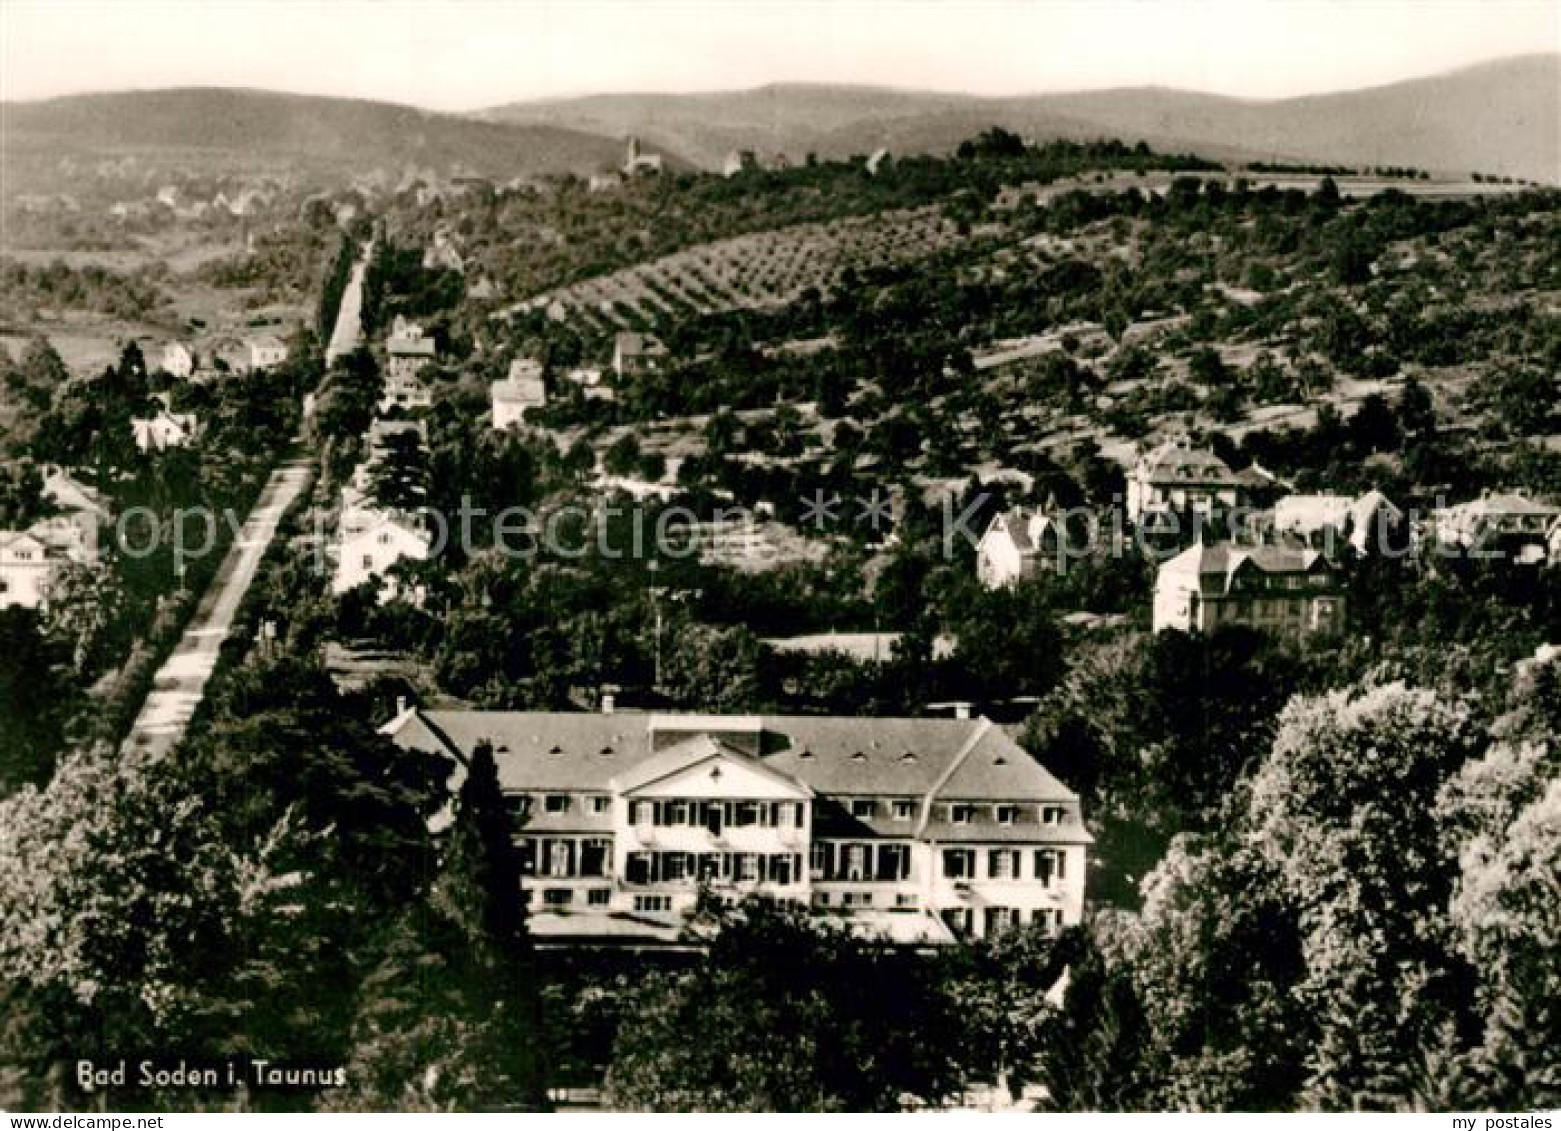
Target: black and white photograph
x,y
860,556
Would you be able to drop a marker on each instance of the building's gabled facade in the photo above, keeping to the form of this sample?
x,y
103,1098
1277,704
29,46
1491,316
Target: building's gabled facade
x,y
1178,477
28,566
164,429
921,830
1272,588
1017,546
371,543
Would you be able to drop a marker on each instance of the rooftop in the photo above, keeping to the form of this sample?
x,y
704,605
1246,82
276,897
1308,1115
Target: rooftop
x,y
958,759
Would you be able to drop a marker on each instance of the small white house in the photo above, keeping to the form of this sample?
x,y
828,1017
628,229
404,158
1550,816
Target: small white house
x,y
1017,545
522,391
178,360
28,565
164,429
372,545
266,352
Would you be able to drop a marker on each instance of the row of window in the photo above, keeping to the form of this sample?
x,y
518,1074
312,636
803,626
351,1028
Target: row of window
x,y
520,805
565,897
714,867
718,815
835,860
995,920
563,857
903,901
1049,864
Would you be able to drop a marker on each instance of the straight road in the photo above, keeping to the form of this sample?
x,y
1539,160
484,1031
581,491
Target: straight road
x,y
347,334
181,681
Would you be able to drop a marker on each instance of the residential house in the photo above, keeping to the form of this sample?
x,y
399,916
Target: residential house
x,y
80,513
1017,546
266,352
1274,588
408,348
921,831
634,353
28,566
604,182
407,351
1511,525
164,428
522,390
178,360
1370,523
441,255
31,560
371,543
1178,477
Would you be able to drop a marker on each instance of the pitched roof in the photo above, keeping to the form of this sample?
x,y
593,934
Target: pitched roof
x,y
522,390
688,754
68,493
1306,513
1177,462
1024,526
405,346
1502,505
633,344
905,757
1365,509
1221,561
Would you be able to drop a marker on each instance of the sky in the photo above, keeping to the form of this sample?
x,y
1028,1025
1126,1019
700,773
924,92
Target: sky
x,y
469,54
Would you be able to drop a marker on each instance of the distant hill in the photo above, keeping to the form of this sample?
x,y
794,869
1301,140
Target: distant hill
x,y
1502,117
202,130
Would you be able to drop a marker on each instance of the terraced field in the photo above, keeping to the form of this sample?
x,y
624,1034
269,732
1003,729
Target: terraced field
x,y
765,269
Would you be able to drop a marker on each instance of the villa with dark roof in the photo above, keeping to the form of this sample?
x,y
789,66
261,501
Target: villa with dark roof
x,y
921,831
1176,476
1278,589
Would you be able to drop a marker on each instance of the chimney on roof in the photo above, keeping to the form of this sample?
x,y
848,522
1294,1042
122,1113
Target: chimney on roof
x,y
401,705
962,710
609,702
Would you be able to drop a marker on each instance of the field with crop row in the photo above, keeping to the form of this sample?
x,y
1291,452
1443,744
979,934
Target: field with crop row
x,y
762,270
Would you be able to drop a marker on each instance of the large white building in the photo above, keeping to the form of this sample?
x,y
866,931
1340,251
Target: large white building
x,y
919,830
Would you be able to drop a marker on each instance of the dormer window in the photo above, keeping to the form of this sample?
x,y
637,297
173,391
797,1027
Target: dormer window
x,y
1053,814
1007,814
556,803
961,814
863,807
904,810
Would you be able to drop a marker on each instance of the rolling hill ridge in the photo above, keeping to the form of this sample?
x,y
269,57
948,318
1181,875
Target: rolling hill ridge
x,y
1502,117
